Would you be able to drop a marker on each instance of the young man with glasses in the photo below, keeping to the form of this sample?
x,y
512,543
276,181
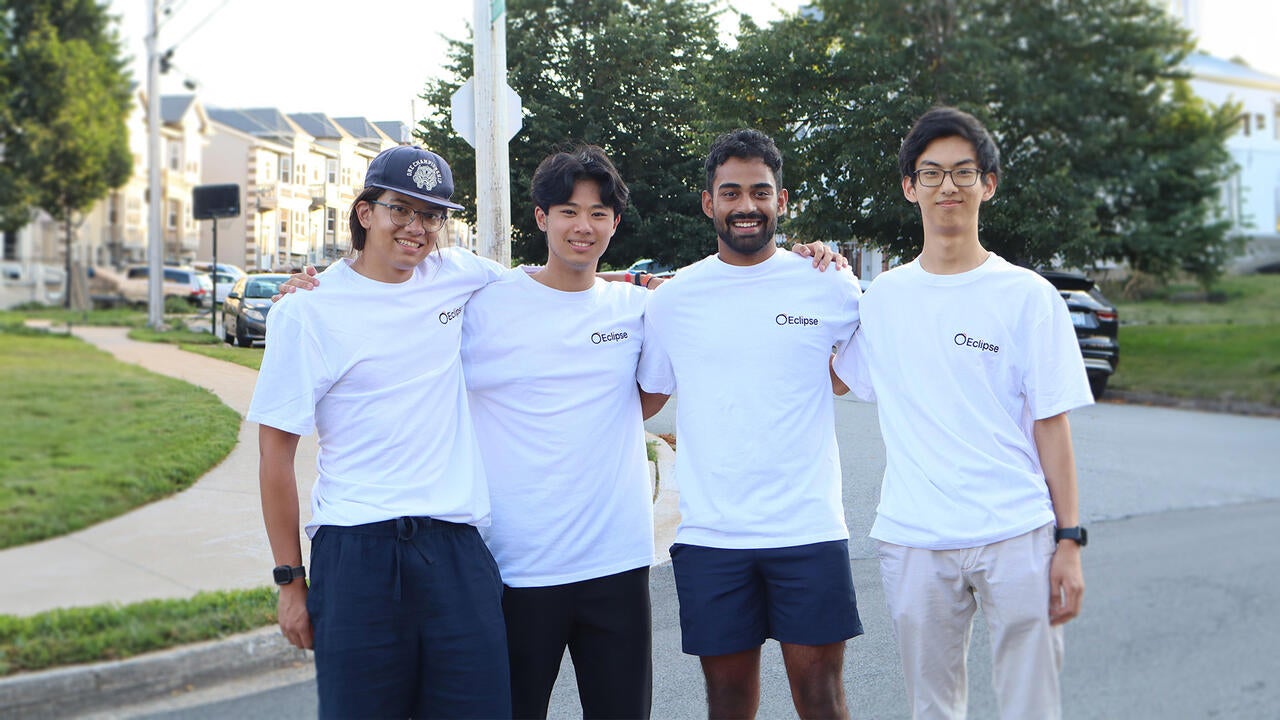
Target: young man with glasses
x,y
745,336
974,365
404,605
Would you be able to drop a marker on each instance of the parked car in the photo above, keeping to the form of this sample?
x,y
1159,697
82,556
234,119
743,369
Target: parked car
x,y
179,281
1097,325
652,267
244,312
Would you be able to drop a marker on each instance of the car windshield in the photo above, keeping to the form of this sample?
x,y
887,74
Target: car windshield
x,y
263,288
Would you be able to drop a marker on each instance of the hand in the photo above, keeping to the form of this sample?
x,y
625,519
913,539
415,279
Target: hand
x,y
821,254
291,612
305,280
1066,583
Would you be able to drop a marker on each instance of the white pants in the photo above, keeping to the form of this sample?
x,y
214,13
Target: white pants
x,y
932,595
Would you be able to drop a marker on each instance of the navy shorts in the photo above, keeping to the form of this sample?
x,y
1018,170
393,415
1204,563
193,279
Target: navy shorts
x,y
407,615
732,600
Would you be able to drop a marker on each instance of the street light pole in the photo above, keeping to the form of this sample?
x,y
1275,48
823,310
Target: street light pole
x,y
493,181
155,245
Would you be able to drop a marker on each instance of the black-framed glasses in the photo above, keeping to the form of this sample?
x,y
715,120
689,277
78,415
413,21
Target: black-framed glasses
x,y
403,216
962,177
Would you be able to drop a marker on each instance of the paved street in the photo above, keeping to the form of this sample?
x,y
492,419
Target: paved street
x,y
1183,509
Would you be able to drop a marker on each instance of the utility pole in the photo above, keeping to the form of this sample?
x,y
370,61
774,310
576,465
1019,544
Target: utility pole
x,y
493,182
155,243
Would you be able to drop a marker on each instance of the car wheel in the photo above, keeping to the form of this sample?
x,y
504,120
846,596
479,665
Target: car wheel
x,y
1098,384
242,338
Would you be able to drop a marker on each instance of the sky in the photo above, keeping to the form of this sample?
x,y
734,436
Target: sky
x,y
372,58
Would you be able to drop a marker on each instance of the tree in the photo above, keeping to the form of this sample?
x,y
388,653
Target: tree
x,y
67,93
621,74
1106,155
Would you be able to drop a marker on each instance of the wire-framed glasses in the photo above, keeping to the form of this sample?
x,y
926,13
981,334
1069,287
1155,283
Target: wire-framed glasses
x,y
962,177
403,216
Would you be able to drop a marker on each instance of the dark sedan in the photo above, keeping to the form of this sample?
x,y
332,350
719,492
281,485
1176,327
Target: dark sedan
x,y
244,312
1097,325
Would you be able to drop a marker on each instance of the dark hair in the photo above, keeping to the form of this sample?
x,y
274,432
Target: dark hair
x,y
945,122
744,144
558,172
357,230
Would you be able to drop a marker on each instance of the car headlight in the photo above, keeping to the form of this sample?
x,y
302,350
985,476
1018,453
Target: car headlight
x,y
255,314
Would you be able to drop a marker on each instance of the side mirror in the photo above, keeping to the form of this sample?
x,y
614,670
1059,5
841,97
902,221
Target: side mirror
x,y
233,296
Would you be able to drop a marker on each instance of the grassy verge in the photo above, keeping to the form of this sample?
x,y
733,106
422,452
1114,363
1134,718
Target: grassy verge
x,y
1223,345
88,438
113,632
248,357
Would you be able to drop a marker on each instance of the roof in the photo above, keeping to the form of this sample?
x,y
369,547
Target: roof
x,y
396,130
1209,67
361,128
174,107
318,125
259,122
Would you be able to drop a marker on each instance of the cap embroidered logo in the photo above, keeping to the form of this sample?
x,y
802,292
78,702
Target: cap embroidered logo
x,y
425,174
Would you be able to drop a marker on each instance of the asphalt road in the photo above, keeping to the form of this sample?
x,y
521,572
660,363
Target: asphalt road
x,y
1183,509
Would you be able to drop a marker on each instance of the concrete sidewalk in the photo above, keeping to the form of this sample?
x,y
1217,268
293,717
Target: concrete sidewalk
x,y
208,537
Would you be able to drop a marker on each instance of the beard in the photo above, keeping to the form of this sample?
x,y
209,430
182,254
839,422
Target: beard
x,y
746,244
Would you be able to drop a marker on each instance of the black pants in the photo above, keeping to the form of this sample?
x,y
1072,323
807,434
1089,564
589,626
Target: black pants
x,y
607,627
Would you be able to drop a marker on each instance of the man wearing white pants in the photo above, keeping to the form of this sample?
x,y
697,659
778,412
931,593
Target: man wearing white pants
x,y
974,365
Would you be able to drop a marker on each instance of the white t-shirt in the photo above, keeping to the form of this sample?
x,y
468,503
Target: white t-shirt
x,y
374,369
747,350
551,376
961,366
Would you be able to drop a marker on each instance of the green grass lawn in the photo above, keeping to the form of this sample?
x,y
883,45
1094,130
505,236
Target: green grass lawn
x,y
112,632
88,437
1223,346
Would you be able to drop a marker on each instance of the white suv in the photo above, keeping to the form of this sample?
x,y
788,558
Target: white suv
x,y
181,282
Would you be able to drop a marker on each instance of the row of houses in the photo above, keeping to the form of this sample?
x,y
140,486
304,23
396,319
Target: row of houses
x,y
298,175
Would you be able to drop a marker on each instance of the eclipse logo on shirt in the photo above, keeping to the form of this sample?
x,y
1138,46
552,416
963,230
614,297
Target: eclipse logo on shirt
x,y
785,319
606,337
448,315
966,341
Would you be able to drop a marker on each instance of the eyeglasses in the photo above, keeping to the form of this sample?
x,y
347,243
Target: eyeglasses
x,y
403,216
962,177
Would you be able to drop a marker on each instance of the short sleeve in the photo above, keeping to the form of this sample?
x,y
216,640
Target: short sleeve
x,y
852,367
654,372
293,377
1054,379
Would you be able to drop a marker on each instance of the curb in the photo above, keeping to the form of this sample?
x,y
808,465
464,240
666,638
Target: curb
x,y
87,688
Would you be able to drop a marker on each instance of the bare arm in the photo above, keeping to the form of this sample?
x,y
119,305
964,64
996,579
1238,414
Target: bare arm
x,y
838,386
651,403
278,485
1057,458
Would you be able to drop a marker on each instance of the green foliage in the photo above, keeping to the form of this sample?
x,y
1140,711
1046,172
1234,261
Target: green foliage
x,y
114,632
88,438
66,91
1106,154
625,75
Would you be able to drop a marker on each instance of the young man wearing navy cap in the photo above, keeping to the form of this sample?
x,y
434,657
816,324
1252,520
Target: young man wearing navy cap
x,y
404,603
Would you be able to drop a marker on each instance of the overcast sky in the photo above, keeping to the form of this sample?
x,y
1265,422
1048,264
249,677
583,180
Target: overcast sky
x,y
372,58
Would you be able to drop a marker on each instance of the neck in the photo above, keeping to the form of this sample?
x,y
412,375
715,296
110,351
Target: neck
x,y
566,279
386,274
732,257
952,254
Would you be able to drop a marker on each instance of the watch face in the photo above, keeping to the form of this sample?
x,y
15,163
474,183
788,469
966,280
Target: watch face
x,y
283,575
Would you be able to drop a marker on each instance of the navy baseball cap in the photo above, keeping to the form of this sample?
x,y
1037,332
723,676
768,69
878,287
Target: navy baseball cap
x,y
413,171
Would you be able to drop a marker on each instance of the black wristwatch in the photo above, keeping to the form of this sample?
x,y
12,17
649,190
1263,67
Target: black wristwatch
x,y
285,574
1077,533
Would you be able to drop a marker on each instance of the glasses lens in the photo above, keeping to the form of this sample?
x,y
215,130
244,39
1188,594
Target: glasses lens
x,y
964,176
930,178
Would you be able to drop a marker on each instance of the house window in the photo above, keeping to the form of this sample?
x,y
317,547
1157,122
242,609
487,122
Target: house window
x,y
300,174
175,209
286,168
1244,124
284,223
330,220
175,156
10,245
346,171
331,171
